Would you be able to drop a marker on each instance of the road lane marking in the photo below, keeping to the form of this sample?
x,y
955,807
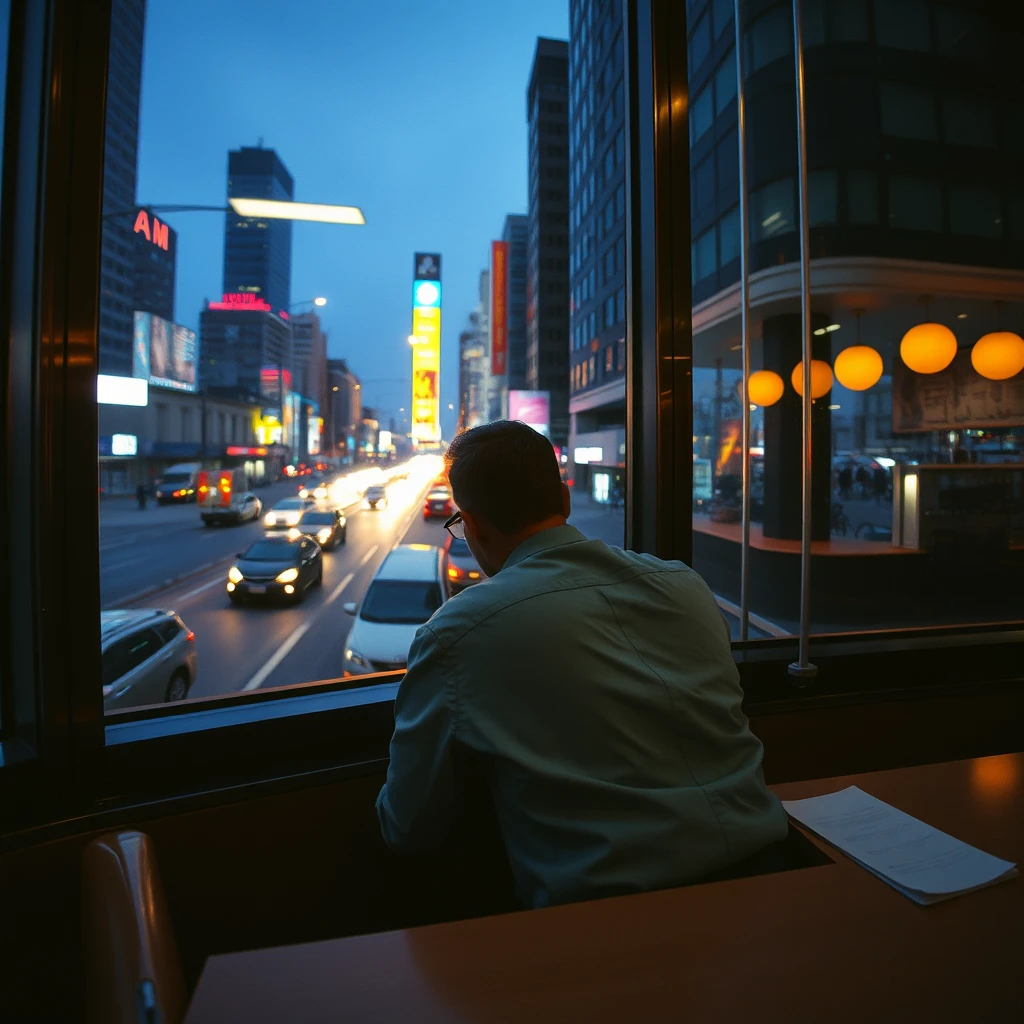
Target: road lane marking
x,y
199,590
369,554
339,588
282,652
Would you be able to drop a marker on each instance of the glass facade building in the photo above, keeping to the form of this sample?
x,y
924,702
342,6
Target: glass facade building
x,y
547,262
258,251
597,258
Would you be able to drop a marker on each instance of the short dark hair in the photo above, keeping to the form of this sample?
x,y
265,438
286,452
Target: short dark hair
x,y
506,473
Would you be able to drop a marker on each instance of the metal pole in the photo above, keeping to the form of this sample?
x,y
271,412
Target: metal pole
x,y
802,668
741,115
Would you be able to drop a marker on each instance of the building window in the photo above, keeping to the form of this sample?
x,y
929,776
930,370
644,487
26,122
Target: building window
x,y
908,111
772,210
620,359
975,210
609,360
729,237
902,24
721,15
620,306
705,256
915,204
862,197
769,38
968,122
700,42
702,181
701,115
961,33
822,198
725,83
609,311
728,161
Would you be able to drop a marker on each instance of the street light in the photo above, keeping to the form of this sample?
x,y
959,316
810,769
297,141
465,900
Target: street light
x,y
413,339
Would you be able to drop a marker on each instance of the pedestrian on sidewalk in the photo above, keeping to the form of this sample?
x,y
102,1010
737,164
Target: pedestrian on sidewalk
x,y
140,494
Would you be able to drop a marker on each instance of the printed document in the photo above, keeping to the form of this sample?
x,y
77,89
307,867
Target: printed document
x,y
920,861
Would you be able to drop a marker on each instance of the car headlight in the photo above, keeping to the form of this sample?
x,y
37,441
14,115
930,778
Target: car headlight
x,y
294,534
292,519
270,519
288,576
324,535
355,658
320,492
234,575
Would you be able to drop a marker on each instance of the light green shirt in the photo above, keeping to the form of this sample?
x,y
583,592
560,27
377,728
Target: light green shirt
x,y
601,684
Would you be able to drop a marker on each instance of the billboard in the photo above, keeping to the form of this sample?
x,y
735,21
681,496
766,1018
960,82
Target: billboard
x,y
499,308
533,408
111,390
426,347
164,353
314,432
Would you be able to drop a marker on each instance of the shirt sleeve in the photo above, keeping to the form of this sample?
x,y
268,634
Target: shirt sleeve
x,y
417,803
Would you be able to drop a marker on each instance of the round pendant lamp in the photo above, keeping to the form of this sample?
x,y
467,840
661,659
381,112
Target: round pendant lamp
x,y
928,347
765,388
821,378
999,355
858,367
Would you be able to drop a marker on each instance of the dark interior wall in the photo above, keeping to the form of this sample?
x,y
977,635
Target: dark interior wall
x,y
309,864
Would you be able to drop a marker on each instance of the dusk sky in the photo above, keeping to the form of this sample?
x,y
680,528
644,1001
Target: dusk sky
x,y
416,116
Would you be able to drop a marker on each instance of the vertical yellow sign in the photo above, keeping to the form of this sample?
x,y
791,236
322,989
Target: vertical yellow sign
x,y
426,373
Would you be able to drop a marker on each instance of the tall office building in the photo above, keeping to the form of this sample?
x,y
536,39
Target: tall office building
x,y
547,260
516,234
597,177
257,251
155,253
120,153
344,410
309,357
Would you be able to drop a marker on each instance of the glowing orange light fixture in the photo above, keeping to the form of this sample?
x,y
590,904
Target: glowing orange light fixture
x,y
998,355
765,387
858,367
821,378
928,348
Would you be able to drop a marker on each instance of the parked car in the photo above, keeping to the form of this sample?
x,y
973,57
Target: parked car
x,y
149,656
224,498
375,496
177,483
438,502
326,524
277,565
410,585
287,513
463,569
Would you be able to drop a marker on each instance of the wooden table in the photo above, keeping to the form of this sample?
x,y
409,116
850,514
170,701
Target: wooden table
x,y
823,943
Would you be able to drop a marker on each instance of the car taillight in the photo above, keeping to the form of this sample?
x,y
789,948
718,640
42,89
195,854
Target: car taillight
x,y
203,488
190,637
454,572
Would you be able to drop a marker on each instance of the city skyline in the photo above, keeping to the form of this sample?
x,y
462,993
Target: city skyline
x,y
348,139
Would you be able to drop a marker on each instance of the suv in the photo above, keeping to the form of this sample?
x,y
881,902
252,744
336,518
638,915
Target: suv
x,y
149,656
410,585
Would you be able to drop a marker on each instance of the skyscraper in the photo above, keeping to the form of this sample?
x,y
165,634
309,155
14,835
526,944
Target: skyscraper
x,y
597,188
516,233
155,251
257,251
547,261
309,357
120,152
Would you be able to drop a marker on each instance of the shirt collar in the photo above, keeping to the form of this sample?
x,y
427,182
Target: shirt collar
x,y
555,537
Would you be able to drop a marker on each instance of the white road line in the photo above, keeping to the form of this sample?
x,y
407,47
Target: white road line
x,y
369,554
279,655
339,588
199,590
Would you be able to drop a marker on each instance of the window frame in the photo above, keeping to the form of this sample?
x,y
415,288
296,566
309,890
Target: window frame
x,y
61,760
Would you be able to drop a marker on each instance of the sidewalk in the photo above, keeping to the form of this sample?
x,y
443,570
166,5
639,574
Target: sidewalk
x,y
597,521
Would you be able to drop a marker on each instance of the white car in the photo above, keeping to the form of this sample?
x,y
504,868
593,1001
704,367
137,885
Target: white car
x,y
409,587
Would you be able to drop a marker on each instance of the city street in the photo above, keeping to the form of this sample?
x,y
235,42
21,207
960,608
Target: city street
x,y
243,648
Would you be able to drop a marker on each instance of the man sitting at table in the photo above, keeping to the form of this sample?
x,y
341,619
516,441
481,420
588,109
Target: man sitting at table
x,y
597,684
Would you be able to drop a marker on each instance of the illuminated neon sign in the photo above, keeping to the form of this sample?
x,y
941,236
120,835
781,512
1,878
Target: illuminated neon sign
x,y
157,233
241,300
426,349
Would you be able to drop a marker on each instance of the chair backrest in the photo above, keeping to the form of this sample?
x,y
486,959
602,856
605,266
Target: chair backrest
x,y
132,970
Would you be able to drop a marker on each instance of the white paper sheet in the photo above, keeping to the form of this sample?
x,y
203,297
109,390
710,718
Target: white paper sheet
x,y
920,861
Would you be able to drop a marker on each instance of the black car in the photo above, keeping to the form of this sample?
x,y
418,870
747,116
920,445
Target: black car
x,y
326,524
277,566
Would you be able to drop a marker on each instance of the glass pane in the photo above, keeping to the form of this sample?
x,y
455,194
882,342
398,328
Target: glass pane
x,y
769,38
822,198
287,369
849,21
700,42
967,121
725,83
974,210
915,204
862,197
701,115
961,33
908,111
772,210
902,24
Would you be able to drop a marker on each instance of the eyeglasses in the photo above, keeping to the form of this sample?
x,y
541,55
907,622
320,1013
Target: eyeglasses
x,y
455,526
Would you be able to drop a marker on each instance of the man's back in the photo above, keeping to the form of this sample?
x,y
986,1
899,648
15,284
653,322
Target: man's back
x,y
601,685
